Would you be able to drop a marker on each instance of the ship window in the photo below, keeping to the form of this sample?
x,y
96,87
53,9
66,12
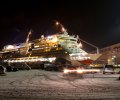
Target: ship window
x,y
72,40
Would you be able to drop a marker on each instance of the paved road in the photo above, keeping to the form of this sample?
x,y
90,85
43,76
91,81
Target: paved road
x,y
45,85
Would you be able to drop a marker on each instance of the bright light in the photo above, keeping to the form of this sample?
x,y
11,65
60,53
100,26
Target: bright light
x,y
66,71
79,71
63,29
29,44
49,37
30,59
90,70
36,46
10,47
42,36
57,23
114,57
54,39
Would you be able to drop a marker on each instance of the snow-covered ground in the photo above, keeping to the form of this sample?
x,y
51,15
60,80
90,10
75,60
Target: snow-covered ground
x,y
45,85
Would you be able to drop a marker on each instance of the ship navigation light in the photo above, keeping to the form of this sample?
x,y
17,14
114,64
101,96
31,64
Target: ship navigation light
x,y
62,27
57,23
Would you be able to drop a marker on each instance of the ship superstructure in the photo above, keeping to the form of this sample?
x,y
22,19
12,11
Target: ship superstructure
x,y
51,45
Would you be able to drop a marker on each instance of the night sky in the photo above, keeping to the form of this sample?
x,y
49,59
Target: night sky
x,y
95,21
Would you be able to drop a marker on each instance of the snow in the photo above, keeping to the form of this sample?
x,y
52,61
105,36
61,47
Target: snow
x,y
39,84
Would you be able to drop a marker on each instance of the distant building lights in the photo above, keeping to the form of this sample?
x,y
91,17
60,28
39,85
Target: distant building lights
x,y
114,56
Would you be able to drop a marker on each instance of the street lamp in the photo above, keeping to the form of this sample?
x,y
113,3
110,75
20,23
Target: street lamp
x,y
91,45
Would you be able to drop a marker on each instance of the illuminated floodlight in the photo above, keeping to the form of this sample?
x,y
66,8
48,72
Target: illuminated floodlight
x,y
57,23
79,71
9,47
49,37
65,71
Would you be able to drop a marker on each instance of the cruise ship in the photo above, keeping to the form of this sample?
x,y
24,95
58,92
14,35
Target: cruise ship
x,y
49,48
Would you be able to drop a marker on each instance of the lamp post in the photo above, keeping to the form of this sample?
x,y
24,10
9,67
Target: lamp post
x,y
91,45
